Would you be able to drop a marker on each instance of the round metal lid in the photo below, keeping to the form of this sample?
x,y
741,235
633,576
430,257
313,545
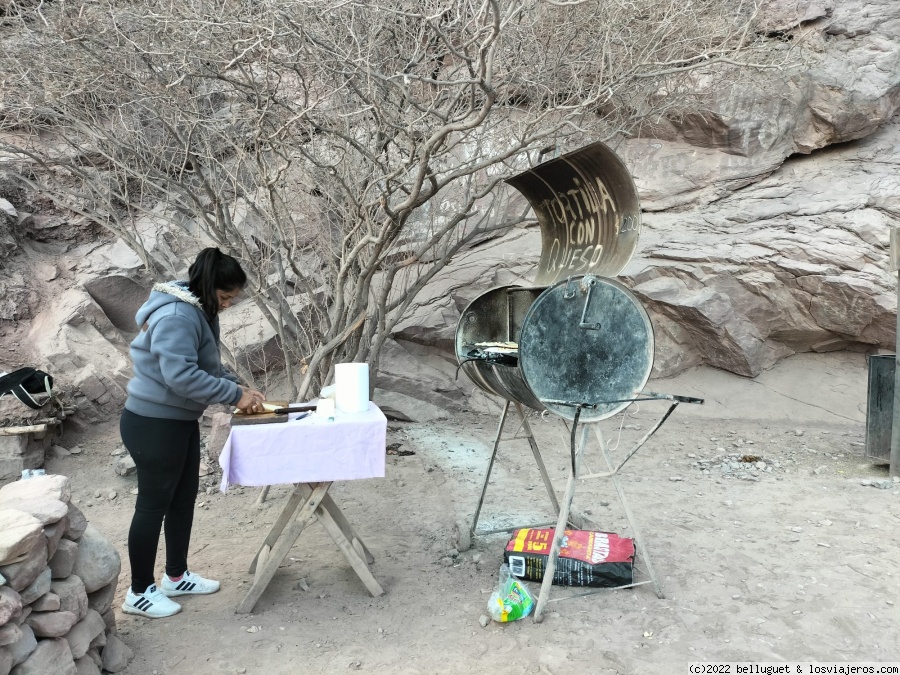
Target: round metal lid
x,y
586,340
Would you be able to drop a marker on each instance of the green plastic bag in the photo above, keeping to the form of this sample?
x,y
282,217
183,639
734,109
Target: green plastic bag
x,y
511,600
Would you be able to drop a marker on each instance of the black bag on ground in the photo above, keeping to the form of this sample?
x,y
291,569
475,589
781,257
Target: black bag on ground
x,y
24,382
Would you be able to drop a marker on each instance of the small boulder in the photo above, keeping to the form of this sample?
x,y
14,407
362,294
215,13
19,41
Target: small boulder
x,y
9,634
25,646
49,602
50,656
20,575
94,655
102,599
116,655
58,452
125,466
63,562
86,666
46,510
54,533
51,624
109,617
99,641
49,487
84,632
18,534
37,588
72,596
19,618
97,562
10,604
77,523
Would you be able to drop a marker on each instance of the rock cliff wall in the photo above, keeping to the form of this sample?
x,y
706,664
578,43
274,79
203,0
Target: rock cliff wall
x,y
766,221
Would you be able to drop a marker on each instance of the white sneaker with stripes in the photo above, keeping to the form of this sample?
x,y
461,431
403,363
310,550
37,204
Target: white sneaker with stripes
x,y
151,603
189,584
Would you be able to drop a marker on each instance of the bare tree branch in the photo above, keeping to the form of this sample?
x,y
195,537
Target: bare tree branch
x,y
345,151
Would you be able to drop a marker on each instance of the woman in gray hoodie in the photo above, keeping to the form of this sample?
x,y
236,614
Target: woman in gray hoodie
x,y
177,373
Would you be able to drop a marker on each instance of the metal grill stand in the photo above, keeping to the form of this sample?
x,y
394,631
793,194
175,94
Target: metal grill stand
x,y
577,343
612,473
523,425
565,515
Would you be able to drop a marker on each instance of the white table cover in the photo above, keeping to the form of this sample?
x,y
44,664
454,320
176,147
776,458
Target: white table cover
x,y
307,450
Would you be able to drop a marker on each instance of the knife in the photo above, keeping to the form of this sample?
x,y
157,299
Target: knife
x,y
296,408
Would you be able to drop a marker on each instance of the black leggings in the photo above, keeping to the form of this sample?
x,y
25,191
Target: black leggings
x,y
167,456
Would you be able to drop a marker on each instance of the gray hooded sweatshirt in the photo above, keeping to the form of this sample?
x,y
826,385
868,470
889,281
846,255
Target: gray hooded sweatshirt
x,y
177,368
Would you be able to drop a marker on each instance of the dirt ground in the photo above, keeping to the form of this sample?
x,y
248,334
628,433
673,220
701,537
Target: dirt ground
x,y
791,560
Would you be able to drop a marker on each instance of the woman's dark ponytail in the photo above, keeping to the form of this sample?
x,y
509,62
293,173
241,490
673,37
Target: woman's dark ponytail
x,y
211,271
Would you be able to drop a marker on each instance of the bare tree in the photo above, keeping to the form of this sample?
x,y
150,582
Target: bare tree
x,y
347,149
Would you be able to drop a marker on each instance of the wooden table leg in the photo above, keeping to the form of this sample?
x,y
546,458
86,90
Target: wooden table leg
x,y
347,529
357,562
270,557
287,513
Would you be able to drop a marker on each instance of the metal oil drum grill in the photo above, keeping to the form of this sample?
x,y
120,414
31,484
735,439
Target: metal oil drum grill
x,y
577,343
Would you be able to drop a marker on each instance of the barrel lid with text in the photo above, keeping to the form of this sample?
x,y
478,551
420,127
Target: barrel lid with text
x,y
587,206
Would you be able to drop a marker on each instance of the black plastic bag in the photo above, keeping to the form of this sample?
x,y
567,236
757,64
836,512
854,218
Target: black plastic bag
x,y
24,383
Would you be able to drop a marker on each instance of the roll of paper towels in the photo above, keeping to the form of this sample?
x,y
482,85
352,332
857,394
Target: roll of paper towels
x,y
351,383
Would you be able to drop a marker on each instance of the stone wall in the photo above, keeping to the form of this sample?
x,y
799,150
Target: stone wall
x,y
58,577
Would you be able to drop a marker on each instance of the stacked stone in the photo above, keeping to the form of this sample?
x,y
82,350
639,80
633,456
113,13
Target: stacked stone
x,y
28,434
22,451
58,577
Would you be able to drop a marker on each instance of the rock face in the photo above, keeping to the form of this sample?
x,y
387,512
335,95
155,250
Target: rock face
x,y
47,621
119,297
218,434
765,230
759,240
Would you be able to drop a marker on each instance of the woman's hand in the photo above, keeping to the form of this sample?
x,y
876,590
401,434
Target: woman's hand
x,y
251,400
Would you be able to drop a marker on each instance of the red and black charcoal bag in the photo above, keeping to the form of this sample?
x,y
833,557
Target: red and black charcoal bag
x,y
598,559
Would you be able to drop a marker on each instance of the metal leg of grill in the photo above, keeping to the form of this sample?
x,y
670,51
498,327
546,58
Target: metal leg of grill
x,y
537,458
576,519
487,476
545,477
561,523
565,515
639,545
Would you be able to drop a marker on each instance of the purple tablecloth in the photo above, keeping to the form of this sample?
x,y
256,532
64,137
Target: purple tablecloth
x,y
307,450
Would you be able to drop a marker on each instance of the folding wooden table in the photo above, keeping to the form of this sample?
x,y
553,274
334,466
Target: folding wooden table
x,y
311,453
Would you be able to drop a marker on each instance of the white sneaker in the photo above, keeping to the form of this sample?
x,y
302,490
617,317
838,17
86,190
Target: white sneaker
x,y
151,603
189,584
